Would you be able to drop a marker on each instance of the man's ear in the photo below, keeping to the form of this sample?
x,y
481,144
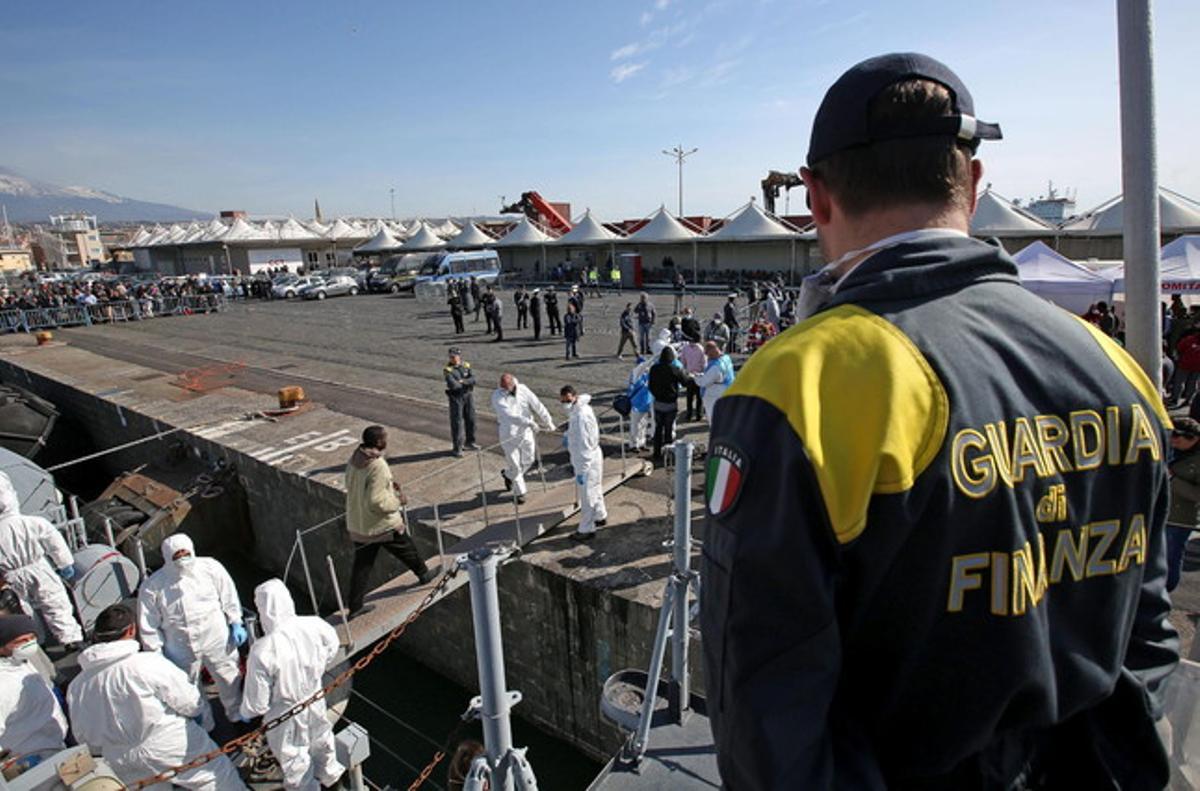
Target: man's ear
x,y
818,197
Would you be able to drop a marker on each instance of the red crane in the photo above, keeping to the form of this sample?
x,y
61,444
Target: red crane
x,y
538,209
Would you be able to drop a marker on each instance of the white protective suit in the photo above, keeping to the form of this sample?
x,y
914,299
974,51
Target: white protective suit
x,y
519,415
641,424
138,709
583,443
31,721
30,550
187,613
713,385
286,667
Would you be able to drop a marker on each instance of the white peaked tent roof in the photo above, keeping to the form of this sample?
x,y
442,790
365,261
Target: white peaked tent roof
x,y
195,233
423,239
996,216
1177,214
139,238
242,231
663,228
156,235
447,229
175,234
1060,280
382,241
398,229
342,230
292,230
470,236
523,233
317,227
214,231
752,223
587,231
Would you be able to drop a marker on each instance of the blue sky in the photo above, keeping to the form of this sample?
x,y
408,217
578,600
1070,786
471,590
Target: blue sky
x,y
266,105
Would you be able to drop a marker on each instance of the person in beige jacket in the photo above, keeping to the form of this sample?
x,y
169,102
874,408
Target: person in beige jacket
x,y
373,516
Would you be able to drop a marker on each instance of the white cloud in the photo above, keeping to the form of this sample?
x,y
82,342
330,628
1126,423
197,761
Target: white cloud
x,y
626,70
646,18
677,76
627,51
661,4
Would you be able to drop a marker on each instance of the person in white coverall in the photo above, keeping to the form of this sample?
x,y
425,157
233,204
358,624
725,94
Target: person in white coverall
x,y
285,668
518,411
31,721
716,378
190,610
31,550
583,443
641,421
142,712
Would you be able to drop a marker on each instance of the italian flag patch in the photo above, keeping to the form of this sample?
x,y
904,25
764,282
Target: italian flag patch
x,y
726,472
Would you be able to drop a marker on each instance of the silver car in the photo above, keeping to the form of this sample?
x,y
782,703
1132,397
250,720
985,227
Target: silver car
x,y
336,286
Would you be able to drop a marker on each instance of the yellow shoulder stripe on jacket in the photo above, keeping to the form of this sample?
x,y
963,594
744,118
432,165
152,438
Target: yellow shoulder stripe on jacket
x,y
862,398
1130,370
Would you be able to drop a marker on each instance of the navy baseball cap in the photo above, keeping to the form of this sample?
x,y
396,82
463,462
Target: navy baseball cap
x,y
842,122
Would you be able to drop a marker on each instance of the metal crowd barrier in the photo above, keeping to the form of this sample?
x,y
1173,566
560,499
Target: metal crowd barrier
x,y
16,319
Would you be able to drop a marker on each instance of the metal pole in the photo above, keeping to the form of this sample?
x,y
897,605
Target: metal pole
x,y
337,592
517,517
72,504
1139,177
642,735
437,524
139,552
312,595
108,533
680,692
489,656
537,453
621,438
483,488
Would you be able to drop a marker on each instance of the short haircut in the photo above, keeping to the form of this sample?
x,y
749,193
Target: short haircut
x,y
888,173
566,390
372,435
112,623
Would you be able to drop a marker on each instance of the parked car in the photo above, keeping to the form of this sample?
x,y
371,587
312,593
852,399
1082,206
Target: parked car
x,y
336,286
291,286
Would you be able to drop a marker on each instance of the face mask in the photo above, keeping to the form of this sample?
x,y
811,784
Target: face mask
x,y
817,288
185,564
23,653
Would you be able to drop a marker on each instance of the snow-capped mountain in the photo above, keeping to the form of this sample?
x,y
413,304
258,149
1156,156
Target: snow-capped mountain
x,y
27,200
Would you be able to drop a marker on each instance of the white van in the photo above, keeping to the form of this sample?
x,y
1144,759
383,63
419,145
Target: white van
x,y
483,265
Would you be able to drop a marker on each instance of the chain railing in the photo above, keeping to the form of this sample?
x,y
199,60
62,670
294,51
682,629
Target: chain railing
x,y
234,745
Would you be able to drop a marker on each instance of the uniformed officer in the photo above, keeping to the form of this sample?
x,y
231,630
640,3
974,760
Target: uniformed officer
x,y
456,308
552,317
535,313
935,552
460,384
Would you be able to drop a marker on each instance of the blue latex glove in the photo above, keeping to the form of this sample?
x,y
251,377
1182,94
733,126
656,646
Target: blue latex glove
x,y
67,573
237,633
566,441
580,479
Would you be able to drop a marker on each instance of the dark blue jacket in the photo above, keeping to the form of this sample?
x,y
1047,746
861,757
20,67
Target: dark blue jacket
x,y
934,556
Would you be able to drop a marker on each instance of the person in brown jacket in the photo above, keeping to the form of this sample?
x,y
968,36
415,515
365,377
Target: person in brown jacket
x,y
374,518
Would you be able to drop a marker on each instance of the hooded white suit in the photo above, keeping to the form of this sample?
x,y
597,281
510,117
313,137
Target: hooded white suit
x,y
30,550
187,612
518,414
583,442
641,424
139,710
31,720
286,667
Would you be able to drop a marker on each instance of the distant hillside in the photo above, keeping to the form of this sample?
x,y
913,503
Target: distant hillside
x,y
34,201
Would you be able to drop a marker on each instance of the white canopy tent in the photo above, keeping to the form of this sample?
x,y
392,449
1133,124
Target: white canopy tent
x,y
423,239
587,231
663,229
343,230
523,234
997,216
751,224
292,231
469,236
1179,267
1060,280
382,242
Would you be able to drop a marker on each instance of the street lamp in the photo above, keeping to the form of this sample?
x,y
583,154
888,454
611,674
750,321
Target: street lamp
x,y
679,155
393,194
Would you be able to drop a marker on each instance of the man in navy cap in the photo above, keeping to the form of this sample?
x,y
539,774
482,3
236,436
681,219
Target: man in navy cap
x,y
935,553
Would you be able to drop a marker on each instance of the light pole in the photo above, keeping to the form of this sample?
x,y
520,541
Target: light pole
x,y
392,191
679,154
